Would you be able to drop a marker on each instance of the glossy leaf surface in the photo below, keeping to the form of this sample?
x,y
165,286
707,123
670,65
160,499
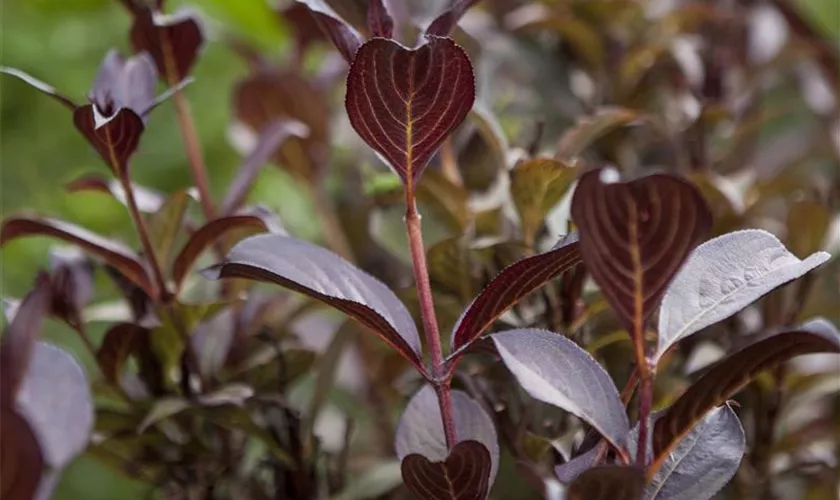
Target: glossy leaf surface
x,y
325,276
608,482
121,258
420,430
56,400
723,276
703,461
729,375
635,235
462,476
405,102
553,369
512,284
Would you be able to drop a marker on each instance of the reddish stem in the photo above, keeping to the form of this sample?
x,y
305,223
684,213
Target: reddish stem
x,y
645,403
439,377
143,233
196,160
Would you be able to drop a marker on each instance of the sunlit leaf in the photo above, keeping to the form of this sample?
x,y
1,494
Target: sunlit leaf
x,y
635,235
325,276
703,461
553,369
512,284
420,430
121,258
608,482
56,400
343,36
536,187
405,102
723,276
732,373
462,476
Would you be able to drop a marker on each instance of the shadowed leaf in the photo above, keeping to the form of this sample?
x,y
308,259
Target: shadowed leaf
x,y
39,85
71,274
19,338
55,399
590,128
114,137
270,140
729,375
723,276
405,102
635,235
379,21
570,470
512,284
609,482
420,430
118,343
163,409
265,97
173,41
208,234
703,461
446,22
462,476
21,460
343,36
166,224
536,187
553,369
325,276
148,200
121,258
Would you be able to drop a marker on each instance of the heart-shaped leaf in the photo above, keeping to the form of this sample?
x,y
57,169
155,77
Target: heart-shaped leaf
x,y
114,137
553,369
19,338
446,22
379,21
512,284
121,258
55,399
635,235
325,276
343,36
729,375
703,461
119,341
405,102
173,41
536,187
208,234
462,476
21,460
608,482
723,276
420,430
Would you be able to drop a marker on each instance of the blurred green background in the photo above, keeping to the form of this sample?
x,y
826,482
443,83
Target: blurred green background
x,y
62,43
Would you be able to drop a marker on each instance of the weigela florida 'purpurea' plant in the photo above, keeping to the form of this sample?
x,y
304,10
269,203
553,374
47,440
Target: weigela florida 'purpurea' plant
x,y
644,241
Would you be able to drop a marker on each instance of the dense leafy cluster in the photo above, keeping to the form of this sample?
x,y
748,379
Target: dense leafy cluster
x,y
621,317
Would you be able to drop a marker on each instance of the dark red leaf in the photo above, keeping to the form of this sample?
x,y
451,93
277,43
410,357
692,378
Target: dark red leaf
x,y
729,375
119,342
19,338
635,235
266,97
343,36
302,22
464,475
208,234
270,141
325,276
379,21
114,137
39,85
148,200
446,22
405,102
71,276
123,259
174,42
21,461
511,285
608,482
